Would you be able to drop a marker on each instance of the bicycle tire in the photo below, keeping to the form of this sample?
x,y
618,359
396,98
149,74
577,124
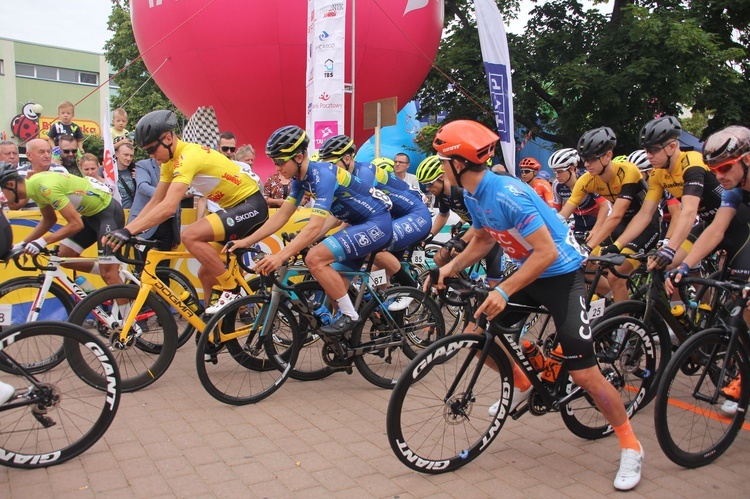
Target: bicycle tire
x,y
433,433
692,432
229,371
81,413
179,284
57,306
630,370
384,345
139,367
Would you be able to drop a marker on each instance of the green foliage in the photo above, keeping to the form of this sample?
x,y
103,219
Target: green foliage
x,y
424,139
697,123
138,93
94,144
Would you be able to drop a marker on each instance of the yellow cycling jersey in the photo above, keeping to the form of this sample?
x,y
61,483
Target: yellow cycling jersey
x,y
674,182
626,183
210,174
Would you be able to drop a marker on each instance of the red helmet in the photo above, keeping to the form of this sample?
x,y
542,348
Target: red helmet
x,y
465,139
530,163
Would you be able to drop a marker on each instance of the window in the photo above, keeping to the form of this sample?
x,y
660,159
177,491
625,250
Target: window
x,y
56,74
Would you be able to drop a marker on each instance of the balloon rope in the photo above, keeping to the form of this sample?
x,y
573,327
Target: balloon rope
x,y
147,80
473,98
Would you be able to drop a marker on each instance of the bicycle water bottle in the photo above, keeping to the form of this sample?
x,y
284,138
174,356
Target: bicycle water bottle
x,y
552,367
324,315
84,284
189,300
678,312
701,317
534,355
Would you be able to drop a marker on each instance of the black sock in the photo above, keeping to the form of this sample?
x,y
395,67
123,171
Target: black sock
x,y
402,277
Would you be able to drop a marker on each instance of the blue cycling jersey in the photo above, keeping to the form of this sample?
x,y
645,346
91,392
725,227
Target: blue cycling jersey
x,y
734,197
339,193
405,199
510,210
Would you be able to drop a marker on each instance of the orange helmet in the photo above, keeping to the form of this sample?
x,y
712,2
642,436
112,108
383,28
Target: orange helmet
x,y
465,139
530,163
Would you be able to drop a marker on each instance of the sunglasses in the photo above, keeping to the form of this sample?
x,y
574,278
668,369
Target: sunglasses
x,y
591,158
525,171
152,148
228,148
653,150
280,161
723,167
68,151
427,185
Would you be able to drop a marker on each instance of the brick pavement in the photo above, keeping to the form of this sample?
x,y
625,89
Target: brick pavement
x,y
327,439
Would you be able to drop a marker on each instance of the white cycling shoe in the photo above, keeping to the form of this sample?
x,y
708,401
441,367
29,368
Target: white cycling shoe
x,y
518,397
629,474
6,392
225,299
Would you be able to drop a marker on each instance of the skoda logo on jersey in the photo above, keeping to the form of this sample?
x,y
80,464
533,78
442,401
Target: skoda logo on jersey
x,y
362,239
245,216
230,222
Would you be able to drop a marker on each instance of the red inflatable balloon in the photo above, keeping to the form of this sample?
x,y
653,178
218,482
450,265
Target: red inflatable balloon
x,y
248,59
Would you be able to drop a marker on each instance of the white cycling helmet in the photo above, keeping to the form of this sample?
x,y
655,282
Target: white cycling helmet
x,y
639,159
563,159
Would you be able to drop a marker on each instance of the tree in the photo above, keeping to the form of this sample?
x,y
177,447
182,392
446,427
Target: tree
x,y
574,69
138,92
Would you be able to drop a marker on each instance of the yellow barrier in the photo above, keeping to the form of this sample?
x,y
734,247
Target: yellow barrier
x,y
23,222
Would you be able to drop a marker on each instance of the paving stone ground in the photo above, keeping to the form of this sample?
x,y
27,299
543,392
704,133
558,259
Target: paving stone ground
x,y
327,439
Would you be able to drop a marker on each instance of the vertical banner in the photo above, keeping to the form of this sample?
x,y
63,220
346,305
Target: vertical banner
x,y
108,156
494,44
326,34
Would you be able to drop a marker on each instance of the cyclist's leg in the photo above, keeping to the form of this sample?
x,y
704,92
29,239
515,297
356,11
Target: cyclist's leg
x,y
407,231
644,242
494,265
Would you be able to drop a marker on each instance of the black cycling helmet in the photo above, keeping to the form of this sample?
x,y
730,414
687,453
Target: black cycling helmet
x,y
8,172
659,131
286,142
336,147
153,125
597,141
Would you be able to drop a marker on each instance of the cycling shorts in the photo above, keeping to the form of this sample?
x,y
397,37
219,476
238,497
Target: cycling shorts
x,y
411,228
6,236
95,227
240,220
564,296
644,243
350,246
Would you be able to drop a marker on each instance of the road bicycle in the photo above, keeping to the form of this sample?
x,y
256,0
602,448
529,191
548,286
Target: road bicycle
x,y
55,413
438,416
690,427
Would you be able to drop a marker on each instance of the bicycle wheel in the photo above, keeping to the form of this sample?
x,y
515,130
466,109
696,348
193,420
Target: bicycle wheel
x,y
20,294
184,289
626,356
691,430
386,343
101,314
246,367
434,430
59,416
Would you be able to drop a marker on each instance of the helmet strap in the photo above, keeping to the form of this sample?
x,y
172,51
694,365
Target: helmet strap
x,y
299,167
744,173
457,174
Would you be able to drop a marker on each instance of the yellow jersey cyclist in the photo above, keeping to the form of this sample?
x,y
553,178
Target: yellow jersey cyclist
x,y
236,203
684,175
337,193
85,203
620,184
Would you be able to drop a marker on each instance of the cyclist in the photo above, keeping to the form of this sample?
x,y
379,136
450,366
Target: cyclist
x,y
337,194
85,203
620,184
530,168
411,217
236,203
592,211
384,163
686,177
505,210
669,206
449,198
727,154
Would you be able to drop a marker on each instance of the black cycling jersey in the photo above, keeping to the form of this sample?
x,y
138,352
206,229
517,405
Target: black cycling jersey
x,y
454,203
584,216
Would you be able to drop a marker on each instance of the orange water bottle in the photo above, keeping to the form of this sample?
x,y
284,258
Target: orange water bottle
x,y
534,355
552,367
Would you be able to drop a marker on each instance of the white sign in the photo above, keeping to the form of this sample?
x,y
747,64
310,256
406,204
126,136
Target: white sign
x,y
596,309
5,314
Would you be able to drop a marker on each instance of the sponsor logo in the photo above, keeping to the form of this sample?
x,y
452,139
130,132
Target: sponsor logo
x,y
361,239
245,216
328,68
230,222
231,178
215,197
323,36
44,190
324,96
324,46
375,233
499,92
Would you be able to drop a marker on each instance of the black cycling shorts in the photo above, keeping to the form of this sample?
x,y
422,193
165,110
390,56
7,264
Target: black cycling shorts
x,y
96,227
6,236
240,220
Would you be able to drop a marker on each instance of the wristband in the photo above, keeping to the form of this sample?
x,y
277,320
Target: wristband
x,y
502,293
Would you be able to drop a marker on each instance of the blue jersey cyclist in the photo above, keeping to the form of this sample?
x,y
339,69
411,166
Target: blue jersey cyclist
x,y
411,217
507,211
337,193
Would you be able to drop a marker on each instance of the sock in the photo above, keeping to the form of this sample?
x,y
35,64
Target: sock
x,y
520,380
347,307
626,436
227,281
403,278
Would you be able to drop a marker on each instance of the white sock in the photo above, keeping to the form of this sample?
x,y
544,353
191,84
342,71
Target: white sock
x,y
347,307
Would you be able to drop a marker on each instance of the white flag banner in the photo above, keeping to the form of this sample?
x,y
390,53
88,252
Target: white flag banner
x,y
494,44
108,156
326,35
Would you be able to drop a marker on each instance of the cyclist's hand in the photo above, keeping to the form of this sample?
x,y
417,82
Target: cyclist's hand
x,y
492,306
18,246
117,238
269,264
35,246
233,245
675,276
661,258
610,249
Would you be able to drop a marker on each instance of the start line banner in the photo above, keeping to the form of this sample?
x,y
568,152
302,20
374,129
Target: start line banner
x,y
326,35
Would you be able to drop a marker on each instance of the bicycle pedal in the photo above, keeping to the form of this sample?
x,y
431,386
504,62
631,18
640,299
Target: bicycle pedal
x,y
210,358
43,419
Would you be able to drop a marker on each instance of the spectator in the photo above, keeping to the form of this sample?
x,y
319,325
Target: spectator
x,y
246,156
147,172
119,122
401,163
69,154
276,189
227,144
124,152
9,152
89,166
65,126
